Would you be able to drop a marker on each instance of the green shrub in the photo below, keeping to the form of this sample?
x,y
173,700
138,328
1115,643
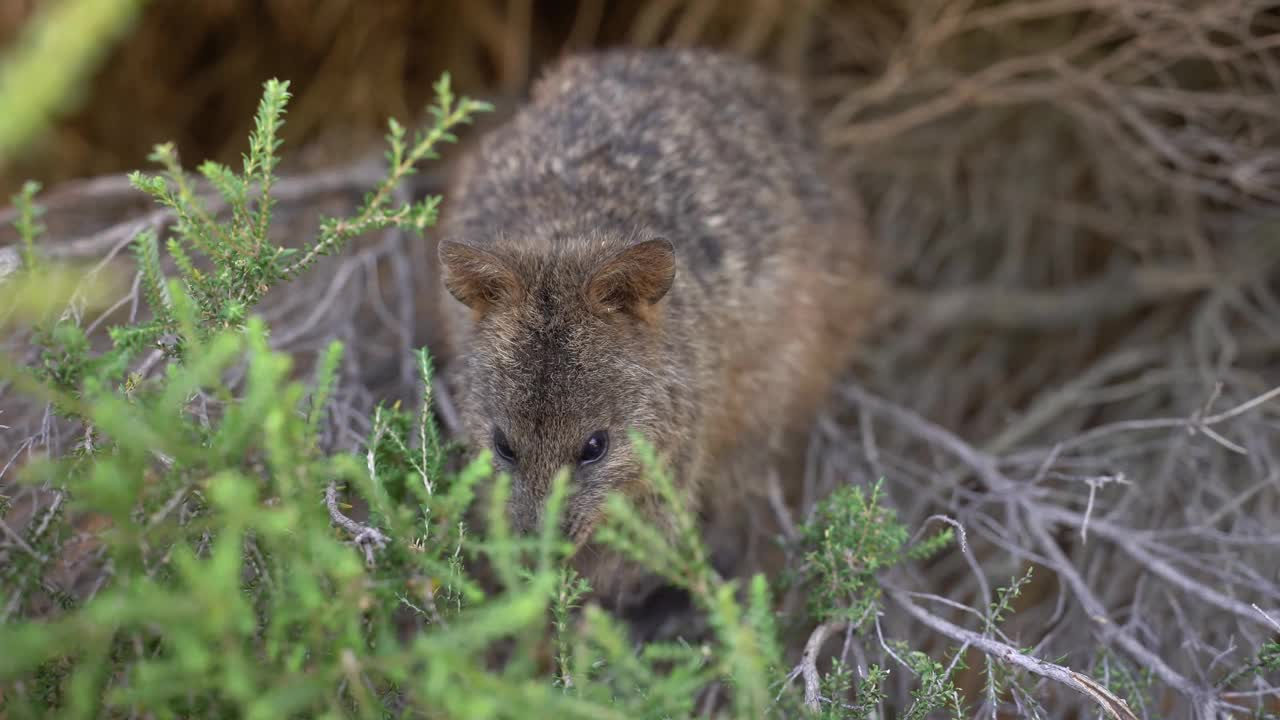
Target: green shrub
x,y
235,583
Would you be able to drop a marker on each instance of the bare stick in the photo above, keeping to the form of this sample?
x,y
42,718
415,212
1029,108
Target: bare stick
x,y
779,506
1094,608
1270,620
1191,424
1137,549
367,538
809,661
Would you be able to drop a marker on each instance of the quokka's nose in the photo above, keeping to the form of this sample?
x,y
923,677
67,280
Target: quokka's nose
x,y
523,517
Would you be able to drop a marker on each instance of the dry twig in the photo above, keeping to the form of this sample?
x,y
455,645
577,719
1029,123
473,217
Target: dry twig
x,y
369,539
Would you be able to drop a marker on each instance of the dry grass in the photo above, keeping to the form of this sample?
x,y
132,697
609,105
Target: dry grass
x,y
1074,198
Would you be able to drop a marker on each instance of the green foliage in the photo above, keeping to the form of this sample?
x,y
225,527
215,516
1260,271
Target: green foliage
x,y
935,691
376,212
245,262
233,595
868,697
242,263
1269,657
850,539
28,224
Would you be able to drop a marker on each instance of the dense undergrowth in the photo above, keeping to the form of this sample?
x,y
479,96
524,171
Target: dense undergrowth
x,y
232,579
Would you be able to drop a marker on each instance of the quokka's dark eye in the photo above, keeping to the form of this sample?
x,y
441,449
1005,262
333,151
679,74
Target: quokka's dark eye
x,y
594,448
502,446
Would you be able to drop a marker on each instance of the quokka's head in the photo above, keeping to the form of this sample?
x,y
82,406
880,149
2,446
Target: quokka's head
x,y
562,364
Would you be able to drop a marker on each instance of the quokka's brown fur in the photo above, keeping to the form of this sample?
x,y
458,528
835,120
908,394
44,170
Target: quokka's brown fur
x,y
654,243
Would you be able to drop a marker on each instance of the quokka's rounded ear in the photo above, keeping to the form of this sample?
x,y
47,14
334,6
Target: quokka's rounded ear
x,y
634,278
477,278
